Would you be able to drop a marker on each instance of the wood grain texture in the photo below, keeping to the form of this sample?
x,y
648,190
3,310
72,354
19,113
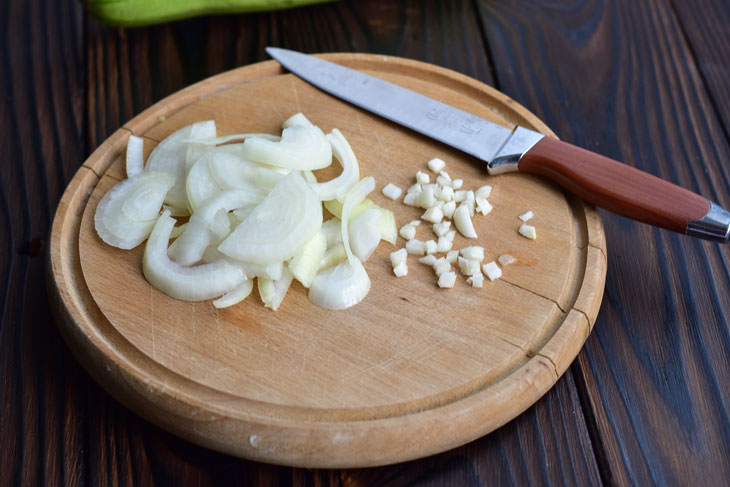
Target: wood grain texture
x,y
307,386
652,375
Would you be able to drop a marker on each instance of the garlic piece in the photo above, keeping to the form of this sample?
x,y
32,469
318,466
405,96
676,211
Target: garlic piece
x,y
527,231
492,270
400,270
415,246
447,280
506,259
392,191
422,177
477,280
468,267
440,229
526,216
463,223
428,259
436,164
473,253
483,192
452,256
398,257
433,215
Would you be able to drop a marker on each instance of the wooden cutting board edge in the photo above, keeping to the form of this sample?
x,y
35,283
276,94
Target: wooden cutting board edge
x,y
210,417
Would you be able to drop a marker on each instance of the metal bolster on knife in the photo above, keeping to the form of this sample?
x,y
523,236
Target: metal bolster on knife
x,y
508,156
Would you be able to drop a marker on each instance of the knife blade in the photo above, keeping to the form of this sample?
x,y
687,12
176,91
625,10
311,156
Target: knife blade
x,y
597,179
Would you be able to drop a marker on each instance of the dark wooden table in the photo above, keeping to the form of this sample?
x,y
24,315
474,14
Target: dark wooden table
x,y
646,402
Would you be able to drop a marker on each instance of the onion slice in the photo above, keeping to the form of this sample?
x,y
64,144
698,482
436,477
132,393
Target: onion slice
x,y
340,287
272,292
186,283
285,220
301,146
305,264
135,156
365,233
235,295
170,156
338,187
190,246
353,198
126,214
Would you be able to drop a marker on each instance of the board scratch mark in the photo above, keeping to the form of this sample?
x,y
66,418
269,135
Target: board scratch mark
x,y
296,95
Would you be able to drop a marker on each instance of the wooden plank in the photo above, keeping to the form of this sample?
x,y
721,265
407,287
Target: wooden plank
x,y
704,24
622,82
41,119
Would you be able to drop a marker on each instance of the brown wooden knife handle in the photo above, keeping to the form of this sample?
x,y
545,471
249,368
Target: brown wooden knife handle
x,y
615,186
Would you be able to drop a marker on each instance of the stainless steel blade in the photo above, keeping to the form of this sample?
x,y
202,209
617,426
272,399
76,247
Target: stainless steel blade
x,y
464,131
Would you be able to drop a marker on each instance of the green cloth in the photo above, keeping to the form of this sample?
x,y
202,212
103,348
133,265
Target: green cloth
x,y
136,13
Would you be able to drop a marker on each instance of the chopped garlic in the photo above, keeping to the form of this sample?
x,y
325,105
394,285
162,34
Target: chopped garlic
x,y
450,235
483,192
460,195
447,279
433,215
526,216
400,270
441,265
468,267
463,223
528,231
457,183
445,175
431,246
422,177
416,188
477,280
448,208
408,231
440,229
415,246
411,199
436,164
483,206
506,259
426,198
398,257
452,256
473,253
444,244
492,270
444,182
470,201
392,191
427,259
447,193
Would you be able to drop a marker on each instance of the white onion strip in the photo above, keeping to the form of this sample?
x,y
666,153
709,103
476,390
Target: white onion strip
x,y
338,187
197,283
135,156
353,198
235,295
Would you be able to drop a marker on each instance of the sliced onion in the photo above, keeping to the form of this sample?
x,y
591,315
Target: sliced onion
x,y
333,256
353,198
365,233
190,246
135,156
338,187
388,227
187,283
196,150
126,214
272,292
207,177
335,207
169,156
235,295
224,139
340,287
305,263
300,147
332,229
285,220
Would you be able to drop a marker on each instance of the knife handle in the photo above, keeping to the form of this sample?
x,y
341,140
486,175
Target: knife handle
x,y
625,190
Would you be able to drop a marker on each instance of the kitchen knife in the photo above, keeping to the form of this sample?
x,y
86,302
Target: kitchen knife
x,y
602,181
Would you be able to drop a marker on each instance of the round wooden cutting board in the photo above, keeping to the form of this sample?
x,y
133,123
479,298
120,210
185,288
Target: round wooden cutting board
x,y
411,371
